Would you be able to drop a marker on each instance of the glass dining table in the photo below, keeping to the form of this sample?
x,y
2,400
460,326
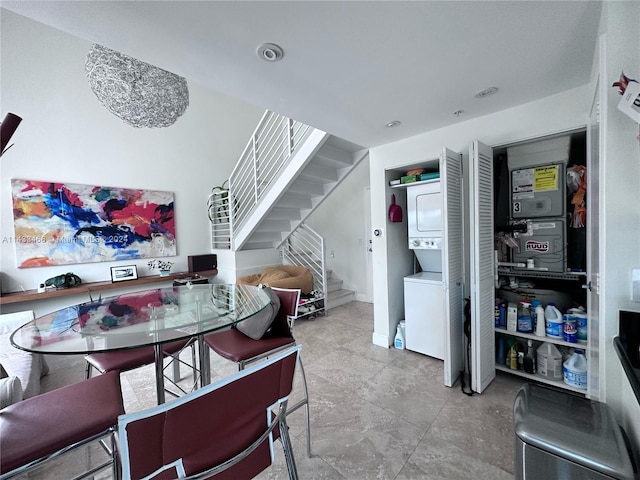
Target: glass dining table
x,y
141,319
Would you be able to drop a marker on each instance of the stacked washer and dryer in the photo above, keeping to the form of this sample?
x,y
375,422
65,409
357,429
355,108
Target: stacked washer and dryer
x,y
424,299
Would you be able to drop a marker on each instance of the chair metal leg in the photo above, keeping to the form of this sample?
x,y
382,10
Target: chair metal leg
x,y
306,408
288,450
305,402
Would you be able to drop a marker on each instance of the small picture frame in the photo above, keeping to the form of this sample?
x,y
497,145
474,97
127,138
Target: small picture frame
x,y
123,273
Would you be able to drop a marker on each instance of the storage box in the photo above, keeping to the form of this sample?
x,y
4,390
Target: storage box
x,y
409,178
429,176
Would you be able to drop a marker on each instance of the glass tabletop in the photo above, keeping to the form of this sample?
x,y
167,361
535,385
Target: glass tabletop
x,y
142,318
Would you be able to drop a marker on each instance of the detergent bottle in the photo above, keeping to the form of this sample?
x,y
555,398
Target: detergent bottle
x,y
539,316
553,320
398,341
525,323
575,370
549,361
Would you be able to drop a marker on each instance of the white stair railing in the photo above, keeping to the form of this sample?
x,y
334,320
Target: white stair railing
x,y
271,145
273,141
305,247
218,205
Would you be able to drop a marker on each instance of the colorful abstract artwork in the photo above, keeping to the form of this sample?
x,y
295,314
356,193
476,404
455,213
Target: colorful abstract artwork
x,y
63,224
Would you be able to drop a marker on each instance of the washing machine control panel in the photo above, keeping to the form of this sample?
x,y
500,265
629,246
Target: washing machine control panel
x,y
432,243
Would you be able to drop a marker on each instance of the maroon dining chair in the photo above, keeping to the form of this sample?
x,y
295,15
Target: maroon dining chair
x,y
234,345
226,429
130,359
44,427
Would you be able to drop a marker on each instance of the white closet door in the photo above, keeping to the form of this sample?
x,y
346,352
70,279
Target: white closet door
x,y
596,381
452,267
482,266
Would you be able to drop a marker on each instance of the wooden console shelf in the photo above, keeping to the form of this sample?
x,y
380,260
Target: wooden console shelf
x,y
33,295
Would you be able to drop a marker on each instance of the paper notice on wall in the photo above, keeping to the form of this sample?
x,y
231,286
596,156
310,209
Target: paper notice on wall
x,y
545,178
526,182
630,101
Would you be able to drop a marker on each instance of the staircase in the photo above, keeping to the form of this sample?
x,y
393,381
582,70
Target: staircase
x,y
285,172
337,295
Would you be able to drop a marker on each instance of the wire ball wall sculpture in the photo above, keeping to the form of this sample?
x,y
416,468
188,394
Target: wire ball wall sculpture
x,y
140,94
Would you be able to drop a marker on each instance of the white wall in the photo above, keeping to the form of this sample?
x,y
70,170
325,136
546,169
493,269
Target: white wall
x,y
67,136
340,220
554,114
620,179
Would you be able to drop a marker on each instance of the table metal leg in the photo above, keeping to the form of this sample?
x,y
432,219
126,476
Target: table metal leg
x,y
205,369
157,348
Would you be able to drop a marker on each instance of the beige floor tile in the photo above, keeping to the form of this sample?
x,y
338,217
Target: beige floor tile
x,y
376,413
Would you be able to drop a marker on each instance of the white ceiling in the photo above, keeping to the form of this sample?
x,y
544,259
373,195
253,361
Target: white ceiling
x,y
351,66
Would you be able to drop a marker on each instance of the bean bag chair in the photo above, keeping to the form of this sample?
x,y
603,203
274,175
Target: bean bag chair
x,y
282,276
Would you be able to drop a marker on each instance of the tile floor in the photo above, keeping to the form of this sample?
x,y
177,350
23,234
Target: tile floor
x,y
376,413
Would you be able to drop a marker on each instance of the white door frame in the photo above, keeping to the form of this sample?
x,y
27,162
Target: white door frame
x,y
368,245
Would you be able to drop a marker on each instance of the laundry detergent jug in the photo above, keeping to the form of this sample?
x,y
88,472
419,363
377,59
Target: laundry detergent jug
x,y
575,370
553,321
549,361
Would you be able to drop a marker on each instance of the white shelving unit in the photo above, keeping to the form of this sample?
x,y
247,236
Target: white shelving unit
x,y
536,377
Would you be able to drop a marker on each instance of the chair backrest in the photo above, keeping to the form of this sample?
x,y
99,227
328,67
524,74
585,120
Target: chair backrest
x,y
283,323
202,431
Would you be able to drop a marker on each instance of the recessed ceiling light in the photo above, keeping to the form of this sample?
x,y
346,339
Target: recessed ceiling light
x,y
270,52
393,123
487,92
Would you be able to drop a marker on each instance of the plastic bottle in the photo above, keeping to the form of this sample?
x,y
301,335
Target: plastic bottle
x,y
399,340
525,323
529,358
581,323
575,370
501,354
503,315
553,321
513,357
520,351
512,317
549,361
539,315
570,328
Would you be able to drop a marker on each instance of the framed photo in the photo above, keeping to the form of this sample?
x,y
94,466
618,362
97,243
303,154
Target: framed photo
x,y
124,273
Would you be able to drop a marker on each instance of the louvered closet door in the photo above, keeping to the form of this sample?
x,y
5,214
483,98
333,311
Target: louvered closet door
x,y
453,263
482,266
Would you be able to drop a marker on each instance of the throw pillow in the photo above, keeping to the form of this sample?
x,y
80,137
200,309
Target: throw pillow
x,y
257,324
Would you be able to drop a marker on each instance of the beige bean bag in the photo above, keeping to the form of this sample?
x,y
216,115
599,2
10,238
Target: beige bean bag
x,y
282,276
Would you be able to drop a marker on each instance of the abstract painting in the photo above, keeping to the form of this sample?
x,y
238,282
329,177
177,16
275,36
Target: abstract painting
x,y
64,224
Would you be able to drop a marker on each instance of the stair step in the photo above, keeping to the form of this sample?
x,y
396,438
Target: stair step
x,y
282,213
290,200
333,284
306,188
332,157
273,225
318,173
339,297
